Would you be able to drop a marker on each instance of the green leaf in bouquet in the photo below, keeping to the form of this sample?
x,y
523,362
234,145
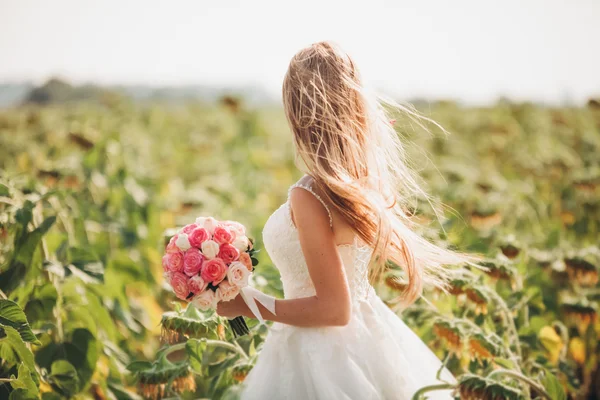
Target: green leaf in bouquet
x,y
12,315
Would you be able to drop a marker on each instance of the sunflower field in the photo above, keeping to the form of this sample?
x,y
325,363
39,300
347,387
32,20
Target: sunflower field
x,y
90,191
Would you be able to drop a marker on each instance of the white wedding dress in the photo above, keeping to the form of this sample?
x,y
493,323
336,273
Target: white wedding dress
x,y
375,357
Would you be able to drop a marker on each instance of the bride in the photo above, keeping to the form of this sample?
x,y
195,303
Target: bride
x,y
333,337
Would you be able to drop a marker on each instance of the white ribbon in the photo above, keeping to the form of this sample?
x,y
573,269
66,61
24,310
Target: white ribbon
x,y
252,295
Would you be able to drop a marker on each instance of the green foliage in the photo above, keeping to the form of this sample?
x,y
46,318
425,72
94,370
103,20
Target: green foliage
x,y
12,315
87,192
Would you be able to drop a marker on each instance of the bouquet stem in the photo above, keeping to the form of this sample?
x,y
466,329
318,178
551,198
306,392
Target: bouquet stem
x,y
238,326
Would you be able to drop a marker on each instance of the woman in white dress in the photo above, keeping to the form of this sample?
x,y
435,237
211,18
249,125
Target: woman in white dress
x,y
332,336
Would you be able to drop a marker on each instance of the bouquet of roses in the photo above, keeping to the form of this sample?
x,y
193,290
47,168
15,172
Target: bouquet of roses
x,y
210,261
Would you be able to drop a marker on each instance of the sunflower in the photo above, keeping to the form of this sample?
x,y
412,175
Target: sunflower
x,y
485,220
240,371
482,347
499,270
472,387
579,315
479,298
155,381
581,271
451,334
177,326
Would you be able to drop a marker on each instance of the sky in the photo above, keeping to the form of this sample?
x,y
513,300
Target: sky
x,y
474,51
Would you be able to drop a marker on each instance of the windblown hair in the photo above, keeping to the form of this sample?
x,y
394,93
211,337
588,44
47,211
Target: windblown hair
x,y
344,137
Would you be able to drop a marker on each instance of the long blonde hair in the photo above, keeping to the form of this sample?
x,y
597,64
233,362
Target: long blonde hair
x,y
344,137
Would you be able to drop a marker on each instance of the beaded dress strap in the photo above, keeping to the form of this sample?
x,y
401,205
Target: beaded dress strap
x,y
309,189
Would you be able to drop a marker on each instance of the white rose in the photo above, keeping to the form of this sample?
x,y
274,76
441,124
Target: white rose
x,y
210,224
238,274
204,300
210,249
182,242
236,228
227,291
200,221
240,243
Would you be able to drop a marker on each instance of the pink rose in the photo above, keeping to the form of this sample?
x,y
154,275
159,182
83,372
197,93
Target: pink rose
x,y
172,247
236,228
237,274
198,236
228,253
226,291
196,284
204,300
222,235
174,262
189,228
213,271
179,283
192,262
246,260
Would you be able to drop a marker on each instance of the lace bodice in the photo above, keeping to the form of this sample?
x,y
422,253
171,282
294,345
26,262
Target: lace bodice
x,y
281,241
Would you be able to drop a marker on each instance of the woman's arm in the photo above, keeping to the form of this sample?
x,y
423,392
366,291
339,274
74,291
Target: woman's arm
x,y
331,305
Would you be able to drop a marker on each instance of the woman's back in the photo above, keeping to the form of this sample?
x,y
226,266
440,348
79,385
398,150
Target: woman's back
x,y
280,237
375,356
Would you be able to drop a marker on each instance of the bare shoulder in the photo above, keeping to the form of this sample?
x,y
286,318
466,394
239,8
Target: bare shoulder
x,y
308,208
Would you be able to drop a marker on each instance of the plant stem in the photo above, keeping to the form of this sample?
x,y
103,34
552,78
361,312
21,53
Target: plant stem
x,y
241,351
228,346
521,378
510,321
439,373
431,388
216,343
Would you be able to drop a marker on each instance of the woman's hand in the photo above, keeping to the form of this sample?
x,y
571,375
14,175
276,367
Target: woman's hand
x,y
233,308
